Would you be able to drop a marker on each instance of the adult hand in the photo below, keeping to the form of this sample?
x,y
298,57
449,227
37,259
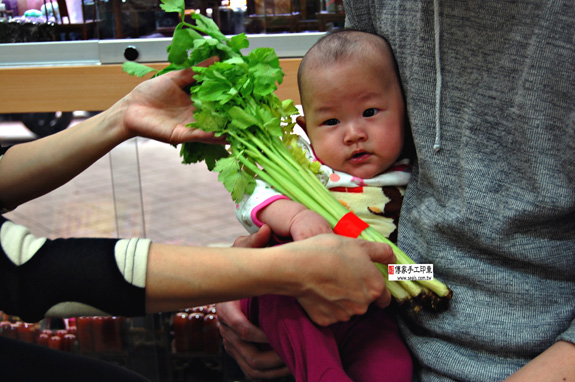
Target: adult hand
x,y
260,239
159,109
340,279
240,336
242,341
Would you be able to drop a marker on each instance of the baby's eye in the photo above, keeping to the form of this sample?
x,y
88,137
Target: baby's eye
x,y
370,112
330,122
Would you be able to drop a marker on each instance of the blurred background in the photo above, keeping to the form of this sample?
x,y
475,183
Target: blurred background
x,y
60,20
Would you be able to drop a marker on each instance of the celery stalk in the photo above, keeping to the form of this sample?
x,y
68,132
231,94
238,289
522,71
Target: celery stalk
x,y
235,97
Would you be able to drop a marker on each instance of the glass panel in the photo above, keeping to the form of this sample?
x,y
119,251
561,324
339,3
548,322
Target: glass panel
x,y
127,190
66,20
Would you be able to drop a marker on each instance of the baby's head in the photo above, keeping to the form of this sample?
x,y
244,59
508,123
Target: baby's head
x,y
354,113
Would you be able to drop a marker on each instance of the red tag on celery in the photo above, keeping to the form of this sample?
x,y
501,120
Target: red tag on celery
x,y
350,225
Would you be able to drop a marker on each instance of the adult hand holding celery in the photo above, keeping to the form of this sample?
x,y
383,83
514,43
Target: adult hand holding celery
x,y
235,97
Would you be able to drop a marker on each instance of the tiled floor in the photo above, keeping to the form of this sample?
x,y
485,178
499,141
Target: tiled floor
x,y
139,189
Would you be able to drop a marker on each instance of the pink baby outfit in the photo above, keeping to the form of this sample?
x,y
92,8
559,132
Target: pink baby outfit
x,y
366,348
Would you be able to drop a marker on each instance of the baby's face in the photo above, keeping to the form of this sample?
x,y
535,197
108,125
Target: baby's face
x,y
354,116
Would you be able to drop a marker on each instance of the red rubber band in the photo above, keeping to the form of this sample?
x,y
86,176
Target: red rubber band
x,y
350,225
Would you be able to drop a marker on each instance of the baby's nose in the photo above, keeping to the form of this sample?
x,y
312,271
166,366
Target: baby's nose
x,y
355,133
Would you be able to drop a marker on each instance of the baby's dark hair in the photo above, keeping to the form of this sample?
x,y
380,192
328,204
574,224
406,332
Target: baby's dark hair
x,y
339,46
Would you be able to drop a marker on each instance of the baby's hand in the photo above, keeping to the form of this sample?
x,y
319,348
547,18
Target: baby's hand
x,y
307,223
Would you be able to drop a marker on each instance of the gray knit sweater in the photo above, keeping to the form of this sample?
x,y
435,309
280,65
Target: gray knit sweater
x,y
490,89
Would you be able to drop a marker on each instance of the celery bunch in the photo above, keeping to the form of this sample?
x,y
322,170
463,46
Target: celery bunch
x,y
235,97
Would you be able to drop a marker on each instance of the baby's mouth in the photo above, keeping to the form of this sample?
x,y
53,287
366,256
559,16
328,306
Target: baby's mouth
x,y
359,156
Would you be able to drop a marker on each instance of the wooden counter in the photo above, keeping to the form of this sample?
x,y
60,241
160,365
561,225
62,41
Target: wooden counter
x,y
89,88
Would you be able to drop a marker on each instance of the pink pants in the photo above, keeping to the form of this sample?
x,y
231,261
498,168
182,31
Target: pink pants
x,y
366,348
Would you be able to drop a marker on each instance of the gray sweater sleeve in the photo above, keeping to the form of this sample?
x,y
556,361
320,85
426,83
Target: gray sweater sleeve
x,y
70,277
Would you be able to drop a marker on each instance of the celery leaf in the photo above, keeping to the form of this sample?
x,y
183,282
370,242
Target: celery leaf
x,y
137,69
194,152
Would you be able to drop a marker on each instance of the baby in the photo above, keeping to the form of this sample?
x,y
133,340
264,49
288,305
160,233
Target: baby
x,y
354,117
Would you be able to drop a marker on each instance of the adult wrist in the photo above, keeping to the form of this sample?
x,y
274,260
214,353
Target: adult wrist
x,y
284,280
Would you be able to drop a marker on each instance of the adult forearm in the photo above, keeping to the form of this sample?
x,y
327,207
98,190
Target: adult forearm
x,y
332,277
32,169
555,364
189,276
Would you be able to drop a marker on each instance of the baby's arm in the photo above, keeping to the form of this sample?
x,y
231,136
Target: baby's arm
x,y
287,218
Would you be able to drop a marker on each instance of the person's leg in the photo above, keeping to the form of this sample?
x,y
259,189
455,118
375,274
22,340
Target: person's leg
x,y
309,351
22,361
372,349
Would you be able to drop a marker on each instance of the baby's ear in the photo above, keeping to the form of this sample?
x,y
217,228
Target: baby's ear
x,y
300,120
